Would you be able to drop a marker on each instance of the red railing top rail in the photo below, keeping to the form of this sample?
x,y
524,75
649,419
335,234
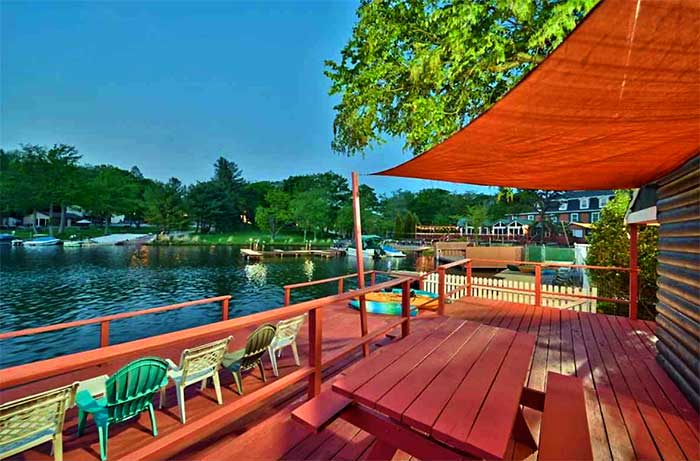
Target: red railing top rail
x,y
331,279
22,374
109,318
464,261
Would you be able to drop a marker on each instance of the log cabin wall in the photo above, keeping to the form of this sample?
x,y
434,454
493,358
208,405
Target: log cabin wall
x,y
678,306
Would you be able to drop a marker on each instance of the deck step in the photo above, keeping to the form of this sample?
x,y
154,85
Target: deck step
x,y
321,410
564,430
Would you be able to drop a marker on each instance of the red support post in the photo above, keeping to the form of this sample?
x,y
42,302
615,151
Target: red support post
x,y
372,278
538,285
634,271
315,339
224,309
104,334
340,286
406,308
287,296
421,283
441,291
360,257
469,277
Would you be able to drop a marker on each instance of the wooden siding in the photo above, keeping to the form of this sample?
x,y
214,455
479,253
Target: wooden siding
x,y
678,306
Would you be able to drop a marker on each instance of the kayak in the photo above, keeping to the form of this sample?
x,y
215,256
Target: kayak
x,y
389,303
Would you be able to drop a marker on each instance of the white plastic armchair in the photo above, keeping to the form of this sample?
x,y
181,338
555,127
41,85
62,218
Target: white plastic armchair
x,y
287,331
197,365
33,420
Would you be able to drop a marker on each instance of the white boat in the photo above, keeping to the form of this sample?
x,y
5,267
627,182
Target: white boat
x,y
391,251
42,241
371,247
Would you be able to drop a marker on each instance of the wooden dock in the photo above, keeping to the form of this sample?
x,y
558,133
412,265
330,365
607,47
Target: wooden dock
x,y
634,410
253,254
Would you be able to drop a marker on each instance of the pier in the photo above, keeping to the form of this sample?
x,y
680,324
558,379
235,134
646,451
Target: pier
x,y
253,254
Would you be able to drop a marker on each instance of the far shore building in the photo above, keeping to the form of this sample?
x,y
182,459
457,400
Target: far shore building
x,y
574,207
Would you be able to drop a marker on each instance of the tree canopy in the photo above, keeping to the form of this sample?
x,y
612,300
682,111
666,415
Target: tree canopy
x,y
420,70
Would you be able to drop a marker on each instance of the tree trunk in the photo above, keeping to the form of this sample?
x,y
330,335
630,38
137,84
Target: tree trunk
x,y
305,234
51,219
314,235
62,225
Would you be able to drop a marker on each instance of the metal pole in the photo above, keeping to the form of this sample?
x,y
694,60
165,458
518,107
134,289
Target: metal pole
x,y
360,257
634,231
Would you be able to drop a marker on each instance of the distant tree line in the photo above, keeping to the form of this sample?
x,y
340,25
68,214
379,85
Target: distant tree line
x,y
38,178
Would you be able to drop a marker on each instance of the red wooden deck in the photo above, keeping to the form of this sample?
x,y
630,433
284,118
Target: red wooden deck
x,y
634,410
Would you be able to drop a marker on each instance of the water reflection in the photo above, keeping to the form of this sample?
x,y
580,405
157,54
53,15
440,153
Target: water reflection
x,y
49,285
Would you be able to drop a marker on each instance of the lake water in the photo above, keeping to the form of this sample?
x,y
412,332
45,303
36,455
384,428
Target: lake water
x,y
42,286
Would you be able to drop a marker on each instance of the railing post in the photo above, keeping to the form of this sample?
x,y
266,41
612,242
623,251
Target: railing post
x,y
363,324
315,339
538,285
421,283
340,286
634,272
287,296
469,277
104,333
441,291
372,278
224,309
406,308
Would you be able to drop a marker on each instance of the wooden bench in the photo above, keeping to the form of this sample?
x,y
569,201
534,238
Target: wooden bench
x,y
321,410
564,430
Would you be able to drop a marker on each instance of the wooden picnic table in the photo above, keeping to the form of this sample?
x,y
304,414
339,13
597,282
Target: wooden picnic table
x,y
450,393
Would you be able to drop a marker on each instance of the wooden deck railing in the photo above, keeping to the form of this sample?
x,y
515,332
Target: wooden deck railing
x,y
538,292
105,321
340,279
179,439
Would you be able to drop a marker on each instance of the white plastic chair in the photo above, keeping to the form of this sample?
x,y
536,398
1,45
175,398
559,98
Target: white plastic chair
x,y
197,365
287,331
33,420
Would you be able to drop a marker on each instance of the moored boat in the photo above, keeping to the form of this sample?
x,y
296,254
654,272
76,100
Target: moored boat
x,y
391,251
371,247
6,239
42,241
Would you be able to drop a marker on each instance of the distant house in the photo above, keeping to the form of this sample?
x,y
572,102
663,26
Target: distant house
x,y
574,207
501,227
43,218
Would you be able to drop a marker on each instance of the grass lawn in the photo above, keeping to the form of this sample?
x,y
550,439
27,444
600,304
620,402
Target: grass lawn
x,y
246,237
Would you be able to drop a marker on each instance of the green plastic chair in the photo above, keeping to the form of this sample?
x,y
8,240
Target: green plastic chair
x,y
128,393
244,359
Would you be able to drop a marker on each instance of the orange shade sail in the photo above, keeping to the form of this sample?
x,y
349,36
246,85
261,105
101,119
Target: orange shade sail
x,y
616,105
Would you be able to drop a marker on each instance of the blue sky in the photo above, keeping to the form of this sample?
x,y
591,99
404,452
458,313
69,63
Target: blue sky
x,y
170,86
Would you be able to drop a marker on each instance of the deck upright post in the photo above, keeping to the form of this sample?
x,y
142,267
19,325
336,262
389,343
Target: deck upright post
x,y
104,333
224,309
340,286
538,285
372,278
469,277
634,271
360,257
441,291
287,296
315,340
406,308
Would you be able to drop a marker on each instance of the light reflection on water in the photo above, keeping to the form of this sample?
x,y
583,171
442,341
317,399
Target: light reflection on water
x,y
41,286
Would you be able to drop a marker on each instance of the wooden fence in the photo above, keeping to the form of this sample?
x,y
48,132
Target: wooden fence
x,y
562,297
